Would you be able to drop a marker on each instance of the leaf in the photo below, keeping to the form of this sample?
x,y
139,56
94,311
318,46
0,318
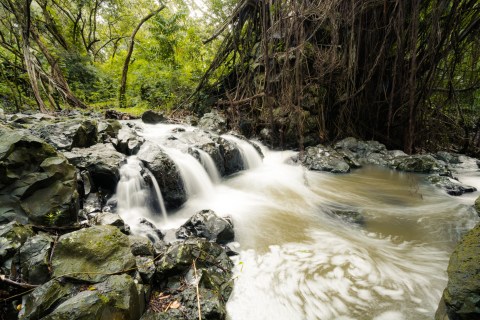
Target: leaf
x,y
175,305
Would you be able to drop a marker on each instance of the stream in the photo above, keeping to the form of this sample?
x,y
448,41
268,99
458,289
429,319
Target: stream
x,y
299,260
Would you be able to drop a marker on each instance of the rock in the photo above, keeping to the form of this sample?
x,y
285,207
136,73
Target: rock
x,y
145,267
34,258
38,303
448,157
12,236
213,270
69,134
117,115
103,163
108,130
213,121
91,254
150,231
350,216
128,141
165,172
111,219
37,184
92,205
232,158
322,158
141,246
206,224
451,186
477,205
419,164
115,298
153,117
191,120
2,115
461,298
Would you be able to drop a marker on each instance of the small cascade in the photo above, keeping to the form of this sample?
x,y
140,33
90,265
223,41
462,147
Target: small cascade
x,y
250,156
196,179
135,196
209,165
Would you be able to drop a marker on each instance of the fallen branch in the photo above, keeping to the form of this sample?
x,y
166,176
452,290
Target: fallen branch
x,y
3,278
237,102
198,291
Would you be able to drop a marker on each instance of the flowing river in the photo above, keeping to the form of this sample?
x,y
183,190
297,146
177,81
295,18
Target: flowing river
x,y
299,260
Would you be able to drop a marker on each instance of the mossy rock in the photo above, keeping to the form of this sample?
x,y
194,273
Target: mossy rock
x,y
92,254
461,298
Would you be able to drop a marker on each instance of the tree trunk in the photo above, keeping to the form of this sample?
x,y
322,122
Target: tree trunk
x,y
122,101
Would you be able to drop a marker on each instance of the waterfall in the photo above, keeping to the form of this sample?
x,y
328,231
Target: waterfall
x,y
209,165
196,179
134,195
250,156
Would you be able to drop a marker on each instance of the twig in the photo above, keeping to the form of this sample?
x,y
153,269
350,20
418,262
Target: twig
x,y
197,281
17,284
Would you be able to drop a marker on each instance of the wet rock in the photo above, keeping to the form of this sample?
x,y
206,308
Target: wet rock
x,y
34,259
448,157
128,141
108,130
419,164
148,229
2,115
191,120
117,115
232,158
38,303
321,158
69,134
153,117
206,224
461,298
165,172
213,121
350,216
37,183
91,254
451,186
212,273
112,219
92,204
477,205
145,267
12,236
103,163
141,246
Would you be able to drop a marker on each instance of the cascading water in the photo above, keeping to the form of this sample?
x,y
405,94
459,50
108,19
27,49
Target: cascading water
x,y
134,197
251,158
209,165
298,260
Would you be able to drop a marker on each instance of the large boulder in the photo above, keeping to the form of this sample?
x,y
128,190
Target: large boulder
x,y
206,224
321,158
165,172
37,183
92,254
102,162
202,264
153,117
213,121
12,236
461,298
68,134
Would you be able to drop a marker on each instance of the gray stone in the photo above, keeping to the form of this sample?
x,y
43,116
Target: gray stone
x,y
451,186
321,158
12,236
153,117
419,164
34,259
37,183
128,141
213,121
206,224
165,172
111,219
103,163
141,246
92,254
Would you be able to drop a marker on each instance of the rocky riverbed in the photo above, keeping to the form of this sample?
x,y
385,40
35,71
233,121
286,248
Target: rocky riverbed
x,y
65,253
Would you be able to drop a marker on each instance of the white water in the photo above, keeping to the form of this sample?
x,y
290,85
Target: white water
x,y
209,165
134,196
251,158
298,261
